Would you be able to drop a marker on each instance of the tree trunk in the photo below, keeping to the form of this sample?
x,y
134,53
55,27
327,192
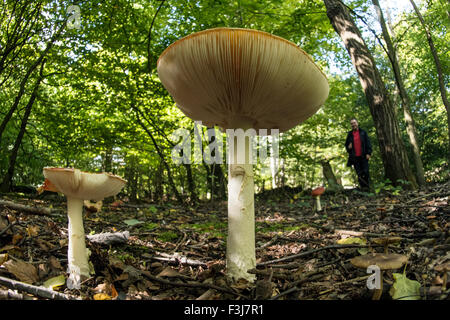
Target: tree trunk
x,y
410,125
158,182
160,154
7,180
191,183
393,153
216,178
107,158
437,63
329,176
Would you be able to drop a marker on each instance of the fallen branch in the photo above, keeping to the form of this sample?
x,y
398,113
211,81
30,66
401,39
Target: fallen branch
x,y
358,233
35,290
269,243
307,253
12,295
27,209
178,259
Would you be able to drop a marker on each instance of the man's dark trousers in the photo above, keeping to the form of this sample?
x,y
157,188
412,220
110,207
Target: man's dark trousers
x,y
361,165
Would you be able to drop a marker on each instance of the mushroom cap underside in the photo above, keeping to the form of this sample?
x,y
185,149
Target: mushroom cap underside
x,y
382,260
239,77
77,184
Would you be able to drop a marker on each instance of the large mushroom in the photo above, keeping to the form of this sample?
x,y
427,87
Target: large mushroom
x,y
78,186
242,79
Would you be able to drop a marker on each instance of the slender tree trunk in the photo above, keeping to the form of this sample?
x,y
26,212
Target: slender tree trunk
x,y
7,180
161,156
158,194
393,152
190,182
107,159
437,63
410,125
216,177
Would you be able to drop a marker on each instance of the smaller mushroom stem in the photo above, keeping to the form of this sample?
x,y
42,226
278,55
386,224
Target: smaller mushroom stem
x,y
78,265
378,292
444,281
318,206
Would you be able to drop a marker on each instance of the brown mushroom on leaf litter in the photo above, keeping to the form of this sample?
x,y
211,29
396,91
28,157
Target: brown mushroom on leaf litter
x,y
381,260
78,186
386,241
443,268
242,79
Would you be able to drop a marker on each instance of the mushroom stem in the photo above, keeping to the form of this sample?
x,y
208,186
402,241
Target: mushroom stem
x,y
378,292
318,206
241,255
78,265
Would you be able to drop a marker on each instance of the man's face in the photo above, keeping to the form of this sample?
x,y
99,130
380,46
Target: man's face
x,y
354,125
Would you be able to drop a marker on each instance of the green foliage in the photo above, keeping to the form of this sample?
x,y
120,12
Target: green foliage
x,y
101,98
168,236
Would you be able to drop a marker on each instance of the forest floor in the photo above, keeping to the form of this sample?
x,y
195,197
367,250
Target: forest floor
x,y
178,252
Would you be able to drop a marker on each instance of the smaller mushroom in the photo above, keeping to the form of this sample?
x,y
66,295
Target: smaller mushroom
x,y
381,260
385,241
316,193
77,186
443,268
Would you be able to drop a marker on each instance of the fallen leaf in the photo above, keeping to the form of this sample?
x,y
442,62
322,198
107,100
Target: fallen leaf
x,y
54,263
355,240
132,222
44,245
55,282
3,258
23,271
170,273
16,238
404,288
9,247
101,296
4,224
32,231
114,293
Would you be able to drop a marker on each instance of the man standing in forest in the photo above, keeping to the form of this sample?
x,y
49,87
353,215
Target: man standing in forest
x,y
359,151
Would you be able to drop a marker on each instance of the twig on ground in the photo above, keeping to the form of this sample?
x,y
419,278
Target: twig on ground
x,y
12,295
309,252
178,259
27,209
35,290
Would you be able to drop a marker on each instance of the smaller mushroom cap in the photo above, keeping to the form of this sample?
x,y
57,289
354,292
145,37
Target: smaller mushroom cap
x,y
382,260
318,191
387,240
84,185
47,186
444,267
